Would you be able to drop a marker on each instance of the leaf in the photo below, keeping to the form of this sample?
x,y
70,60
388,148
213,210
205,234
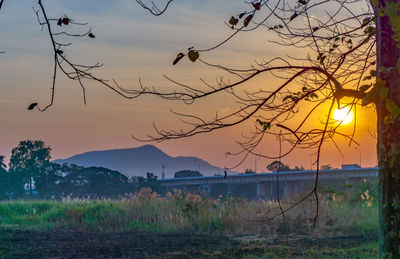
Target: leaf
x,y
393,108
303,2
91,35
370,30
315,29
384,91
59,23
370,97
366,20
178,57
233,21
267,125
247,20
337,38
193,55
257,6
287,97
380,83
59,51
372,73
241,15
32,105
65,20
374,2
304,89
366,78
280,26
293,16
365,88
322,59
398,65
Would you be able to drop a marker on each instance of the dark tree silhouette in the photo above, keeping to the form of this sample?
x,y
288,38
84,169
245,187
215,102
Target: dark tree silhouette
x,y
29,159
277,166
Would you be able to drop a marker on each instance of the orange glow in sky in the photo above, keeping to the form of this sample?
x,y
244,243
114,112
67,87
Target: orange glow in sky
x,y
343,115
133,44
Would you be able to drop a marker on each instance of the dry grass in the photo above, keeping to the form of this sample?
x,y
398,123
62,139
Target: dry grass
x,y
148,211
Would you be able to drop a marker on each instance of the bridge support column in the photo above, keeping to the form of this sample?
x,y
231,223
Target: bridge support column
x,y
262,188
229,190
258,189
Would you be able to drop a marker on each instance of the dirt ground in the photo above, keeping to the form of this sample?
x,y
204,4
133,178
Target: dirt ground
x,y
73,244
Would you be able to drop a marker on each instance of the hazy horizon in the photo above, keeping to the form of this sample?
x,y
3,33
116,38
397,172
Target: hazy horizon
x,y
132,43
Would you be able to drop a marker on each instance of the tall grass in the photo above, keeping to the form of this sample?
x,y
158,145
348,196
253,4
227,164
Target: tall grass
x,y
147,211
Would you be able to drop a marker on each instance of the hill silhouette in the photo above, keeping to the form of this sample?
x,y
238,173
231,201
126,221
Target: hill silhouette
x,y
138,161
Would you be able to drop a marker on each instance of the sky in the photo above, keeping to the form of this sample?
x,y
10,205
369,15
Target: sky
x,y
133,44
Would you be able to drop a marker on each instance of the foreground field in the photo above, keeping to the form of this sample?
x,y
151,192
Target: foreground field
x,y
177,226
73,244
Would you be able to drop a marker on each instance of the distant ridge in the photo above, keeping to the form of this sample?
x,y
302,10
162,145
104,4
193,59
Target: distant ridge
x,y
138,161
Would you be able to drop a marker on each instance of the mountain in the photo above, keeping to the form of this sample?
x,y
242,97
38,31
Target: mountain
x,y
140,160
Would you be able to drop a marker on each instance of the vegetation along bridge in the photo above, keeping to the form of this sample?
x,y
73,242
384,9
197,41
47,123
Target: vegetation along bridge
x,y
265,185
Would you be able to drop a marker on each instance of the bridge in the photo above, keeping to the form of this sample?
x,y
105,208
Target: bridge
x,y
265,185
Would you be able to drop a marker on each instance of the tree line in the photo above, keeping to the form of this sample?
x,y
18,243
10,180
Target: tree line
x,y
31,174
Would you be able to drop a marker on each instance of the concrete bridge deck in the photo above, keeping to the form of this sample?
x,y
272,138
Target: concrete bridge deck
x,y
265,184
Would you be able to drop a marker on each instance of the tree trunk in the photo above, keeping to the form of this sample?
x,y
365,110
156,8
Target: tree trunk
x,y
388,147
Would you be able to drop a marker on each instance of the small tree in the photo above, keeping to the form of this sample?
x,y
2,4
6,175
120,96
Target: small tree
x,y
278,166
29,159
326,167
249,171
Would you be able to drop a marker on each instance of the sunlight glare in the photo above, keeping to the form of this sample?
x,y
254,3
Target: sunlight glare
x,y
343,115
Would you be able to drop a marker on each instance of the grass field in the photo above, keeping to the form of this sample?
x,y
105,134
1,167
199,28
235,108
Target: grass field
x,y
251,229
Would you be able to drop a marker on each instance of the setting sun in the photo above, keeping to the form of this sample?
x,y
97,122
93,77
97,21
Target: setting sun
x,y
343,115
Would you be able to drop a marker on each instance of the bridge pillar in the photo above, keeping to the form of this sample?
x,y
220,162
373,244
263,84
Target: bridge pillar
x,y
262,189
229,190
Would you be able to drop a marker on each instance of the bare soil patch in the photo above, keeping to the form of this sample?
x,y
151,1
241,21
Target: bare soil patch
x,y
74,244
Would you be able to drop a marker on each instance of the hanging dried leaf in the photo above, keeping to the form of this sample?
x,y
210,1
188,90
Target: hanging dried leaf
x,y
247,20
293,16
233,21
365,87
193,55
393,108
91,35
32,105
257,6
178,57
65,20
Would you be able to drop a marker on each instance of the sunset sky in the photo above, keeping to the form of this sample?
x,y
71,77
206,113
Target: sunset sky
x,y
131,43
